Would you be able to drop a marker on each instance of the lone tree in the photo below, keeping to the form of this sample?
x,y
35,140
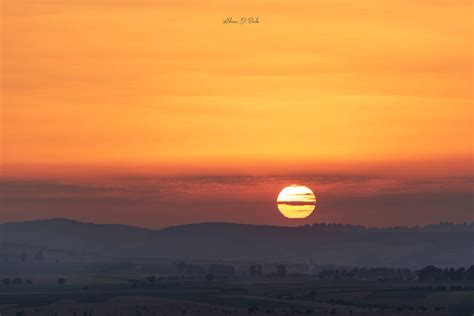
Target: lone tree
x,y
61,281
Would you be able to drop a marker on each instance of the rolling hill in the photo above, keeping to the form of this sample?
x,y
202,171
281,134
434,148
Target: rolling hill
x,y
442,245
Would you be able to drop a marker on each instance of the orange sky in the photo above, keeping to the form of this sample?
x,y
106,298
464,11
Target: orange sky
x,y
164,84
155,113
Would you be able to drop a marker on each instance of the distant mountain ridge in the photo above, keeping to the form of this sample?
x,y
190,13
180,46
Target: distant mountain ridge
x,y
444,244
330,227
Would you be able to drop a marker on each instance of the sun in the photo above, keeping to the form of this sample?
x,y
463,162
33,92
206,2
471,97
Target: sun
x,y
296,201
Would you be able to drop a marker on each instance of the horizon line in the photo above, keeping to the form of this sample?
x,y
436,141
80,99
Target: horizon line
x,y
235,223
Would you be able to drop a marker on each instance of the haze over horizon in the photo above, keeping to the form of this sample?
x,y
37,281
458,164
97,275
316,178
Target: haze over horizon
x,y
165,201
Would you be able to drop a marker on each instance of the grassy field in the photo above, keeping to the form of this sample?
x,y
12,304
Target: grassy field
x,y
86,295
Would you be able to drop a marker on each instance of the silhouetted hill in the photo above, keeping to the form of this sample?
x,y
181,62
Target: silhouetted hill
x,y
443,245
60,233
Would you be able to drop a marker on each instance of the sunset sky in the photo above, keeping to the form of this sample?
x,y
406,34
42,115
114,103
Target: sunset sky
x,y
156,113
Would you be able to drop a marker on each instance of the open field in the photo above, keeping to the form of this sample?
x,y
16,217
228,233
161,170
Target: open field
x,y
116,295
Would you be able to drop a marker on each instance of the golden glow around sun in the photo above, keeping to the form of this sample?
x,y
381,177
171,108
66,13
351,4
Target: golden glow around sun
x,y
296,201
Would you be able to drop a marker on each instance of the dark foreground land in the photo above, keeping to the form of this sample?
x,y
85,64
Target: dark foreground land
x,y
62,267
89,295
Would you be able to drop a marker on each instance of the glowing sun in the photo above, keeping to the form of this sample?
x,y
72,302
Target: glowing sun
x,y
296,201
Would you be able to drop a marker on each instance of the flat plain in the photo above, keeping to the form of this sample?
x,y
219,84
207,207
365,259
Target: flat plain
x,y
87,295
